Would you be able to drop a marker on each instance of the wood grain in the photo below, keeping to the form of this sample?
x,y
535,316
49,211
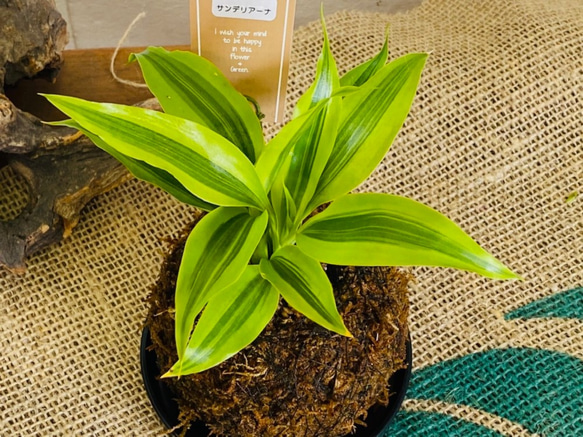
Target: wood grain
x,y
85,74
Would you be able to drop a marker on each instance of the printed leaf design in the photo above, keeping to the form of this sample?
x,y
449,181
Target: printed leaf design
x,y
426,424
304,285
143,171
566,305
205,163
217,252
189,86
231,320
538,389
380,229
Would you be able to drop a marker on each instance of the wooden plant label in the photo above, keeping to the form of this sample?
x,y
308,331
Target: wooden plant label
x,y
250,42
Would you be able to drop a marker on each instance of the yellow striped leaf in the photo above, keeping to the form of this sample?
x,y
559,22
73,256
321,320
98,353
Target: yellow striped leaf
x,y
216,253
141,170
385,230
360,74
191,87
205,163
370,120
231,320
305,286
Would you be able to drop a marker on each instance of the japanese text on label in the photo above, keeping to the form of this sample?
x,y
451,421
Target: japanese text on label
x,y
262,10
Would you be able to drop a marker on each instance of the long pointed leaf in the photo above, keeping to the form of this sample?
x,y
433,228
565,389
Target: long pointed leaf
x,y
370,121
284,208
205,163
380,229
231,321
326,80
304,285
279,148
309,155
191,87
363,72
216,253
141,170
312,150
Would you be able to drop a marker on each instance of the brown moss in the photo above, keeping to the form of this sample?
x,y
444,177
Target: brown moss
x,y
297,378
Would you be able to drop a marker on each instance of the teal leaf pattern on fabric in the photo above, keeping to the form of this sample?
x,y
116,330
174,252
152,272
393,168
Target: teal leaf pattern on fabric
x,y
566,305
426,424
539,389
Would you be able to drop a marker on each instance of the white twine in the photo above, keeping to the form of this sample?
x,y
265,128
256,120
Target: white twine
x,y
116,51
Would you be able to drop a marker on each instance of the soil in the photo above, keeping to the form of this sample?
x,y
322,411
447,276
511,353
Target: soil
x,y
297,378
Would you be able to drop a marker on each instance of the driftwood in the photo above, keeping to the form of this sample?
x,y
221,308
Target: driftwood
x,y
32,36
62,169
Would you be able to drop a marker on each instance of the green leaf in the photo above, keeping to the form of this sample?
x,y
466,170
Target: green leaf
x,y
326,80
284,208
205,163
363,72
160,178
304,285
278,150
232,320
371,118
385,230
217,252
191,87
312,149
310,154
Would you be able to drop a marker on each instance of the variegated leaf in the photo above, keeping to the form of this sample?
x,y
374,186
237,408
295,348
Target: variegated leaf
x,y
216,253
385,230
231,320
370,121
141,170
205,163
304,285
191,87
363,72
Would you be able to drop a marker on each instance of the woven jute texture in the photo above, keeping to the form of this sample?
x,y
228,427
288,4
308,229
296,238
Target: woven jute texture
x,y
494,141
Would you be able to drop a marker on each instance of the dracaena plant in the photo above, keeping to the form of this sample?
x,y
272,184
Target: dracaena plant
x,y
257,243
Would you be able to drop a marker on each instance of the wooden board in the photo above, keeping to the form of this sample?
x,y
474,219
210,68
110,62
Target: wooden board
x,y
85,74
62,172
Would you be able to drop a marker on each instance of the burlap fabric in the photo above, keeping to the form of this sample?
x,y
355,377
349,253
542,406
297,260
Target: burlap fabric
x,y
494,140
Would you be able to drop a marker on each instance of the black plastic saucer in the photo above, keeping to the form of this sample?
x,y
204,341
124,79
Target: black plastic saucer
x,y
162,398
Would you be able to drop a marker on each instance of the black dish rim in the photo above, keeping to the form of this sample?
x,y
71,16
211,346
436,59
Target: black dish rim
x,y
166,407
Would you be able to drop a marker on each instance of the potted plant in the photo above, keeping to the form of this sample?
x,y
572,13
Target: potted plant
x,y
261,241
